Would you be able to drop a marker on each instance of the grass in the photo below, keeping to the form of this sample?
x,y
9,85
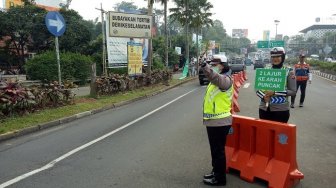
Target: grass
x,y
82,104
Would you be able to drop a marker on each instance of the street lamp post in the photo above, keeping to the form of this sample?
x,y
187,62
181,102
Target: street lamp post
x,y
276,27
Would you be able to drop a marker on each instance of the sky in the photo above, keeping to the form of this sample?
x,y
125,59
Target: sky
x,y
256,15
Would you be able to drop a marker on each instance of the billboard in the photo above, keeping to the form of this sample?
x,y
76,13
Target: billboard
x,y
266,35
239,33
129,25
117,48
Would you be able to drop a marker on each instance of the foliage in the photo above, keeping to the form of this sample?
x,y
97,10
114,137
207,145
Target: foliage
x,y
73,67
115,83
23,27
15,99
326,67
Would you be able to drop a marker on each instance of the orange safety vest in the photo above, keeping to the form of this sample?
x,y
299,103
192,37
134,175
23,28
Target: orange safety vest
x,y
301,71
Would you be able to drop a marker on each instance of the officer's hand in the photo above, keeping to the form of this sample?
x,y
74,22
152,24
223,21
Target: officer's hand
x,y
269,93
267,98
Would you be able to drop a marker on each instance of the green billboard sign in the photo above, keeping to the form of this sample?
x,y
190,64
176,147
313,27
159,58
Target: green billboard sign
x,y
270,79
270,44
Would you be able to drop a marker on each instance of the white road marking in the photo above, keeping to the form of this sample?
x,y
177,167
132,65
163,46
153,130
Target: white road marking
x,y
246,85
53,162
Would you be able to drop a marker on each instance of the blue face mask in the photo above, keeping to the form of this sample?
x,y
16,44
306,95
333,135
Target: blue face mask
x,y
215,69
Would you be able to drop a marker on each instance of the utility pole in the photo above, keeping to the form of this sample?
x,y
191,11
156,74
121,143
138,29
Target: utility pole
x,y
150,46
103,38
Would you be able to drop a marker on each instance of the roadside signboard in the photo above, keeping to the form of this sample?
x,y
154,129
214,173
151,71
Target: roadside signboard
x,y
134,56
270,79
55,23
270,44
129,25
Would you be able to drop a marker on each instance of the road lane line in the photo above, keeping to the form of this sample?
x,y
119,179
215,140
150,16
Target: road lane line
x,y
246,85
53,162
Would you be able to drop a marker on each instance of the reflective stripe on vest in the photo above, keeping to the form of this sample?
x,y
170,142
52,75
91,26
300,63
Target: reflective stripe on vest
x,y
217,103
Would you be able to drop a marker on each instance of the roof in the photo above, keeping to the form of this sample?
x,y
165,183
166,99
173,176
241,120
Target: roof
x,y
315,27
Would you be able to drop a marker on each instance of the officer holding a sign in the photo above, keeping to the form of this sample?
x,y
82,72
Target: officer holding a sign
x,y
217,115
274,104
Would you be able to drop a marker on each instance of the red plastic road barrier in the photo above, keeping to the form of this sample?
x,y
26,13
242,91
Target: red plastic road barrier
x,y
263,149
245,75
241,79
236,81
235,105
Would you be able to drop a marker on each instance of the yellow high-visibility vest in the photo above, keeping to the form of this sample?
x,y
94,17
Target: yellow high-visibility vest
x,y
217,103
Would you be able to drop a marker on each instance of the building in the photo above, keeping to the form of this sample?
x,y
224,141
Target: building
x,y
318,31
50,5
239,33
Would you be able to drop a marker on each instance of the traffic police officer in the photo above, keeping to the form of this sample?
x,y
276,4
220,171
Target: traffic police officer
x,y
274,105
217,116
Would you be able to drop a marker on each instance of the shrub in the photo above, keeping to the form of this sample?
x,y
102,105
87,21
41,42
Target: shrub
x,y
73,67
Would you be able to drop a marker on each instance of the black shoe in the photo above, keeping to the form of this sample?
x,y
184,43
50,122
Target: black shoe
x,y
215,181
292,105
209,176
301,105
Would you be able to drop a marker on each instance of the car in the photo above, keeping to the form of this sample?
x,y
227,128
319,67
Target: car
x,y
237,65
258,64
248,62
266,60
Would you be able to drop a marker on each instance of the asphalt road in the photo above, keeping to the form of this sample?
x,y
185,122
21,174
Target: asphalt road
x,y
161,142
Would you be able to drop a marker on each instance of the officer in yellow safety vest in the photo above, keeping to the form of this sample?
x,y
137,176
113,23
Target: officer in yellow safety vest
x,y
274,105
217,116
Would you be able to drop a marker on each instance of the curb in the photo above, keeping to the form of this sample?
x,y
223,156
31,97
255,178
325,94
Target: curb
x,y
61,121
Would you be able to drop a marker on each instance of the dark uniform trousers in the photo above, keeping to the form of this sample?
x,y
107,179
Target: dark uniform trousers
x,y
217,140
280,116
302,85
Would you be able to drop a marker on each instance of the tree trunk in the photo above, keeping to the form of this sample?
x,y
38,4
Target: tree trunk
x,y
197,50
166,34
187,32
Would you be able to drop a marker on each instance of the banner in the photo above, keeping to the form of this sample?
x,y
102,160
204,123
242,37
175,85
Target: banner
x,y
129,25
134,55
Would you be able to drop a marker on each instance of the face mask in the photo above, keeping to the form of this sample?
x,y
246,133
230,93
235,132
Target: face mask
x,y
215,69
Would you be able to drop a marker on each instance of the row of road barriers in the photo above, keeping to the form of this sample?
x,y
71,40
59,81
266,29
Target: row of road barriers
x,y
324,75
260,148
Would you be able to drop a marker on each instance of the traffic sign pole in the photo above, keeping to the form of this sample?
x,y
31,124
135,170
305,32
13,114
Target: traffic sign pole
x,y
58,61
56,26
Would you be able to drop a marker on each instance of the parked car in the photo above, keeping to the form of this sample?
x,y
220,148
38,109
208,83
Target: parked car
x,y
237,65
258,64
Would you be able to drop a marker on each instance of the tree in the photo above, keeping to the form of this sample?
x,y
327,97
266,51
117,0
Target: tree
x,y
126,6
182,14
164,2
23,29
77,35
201,17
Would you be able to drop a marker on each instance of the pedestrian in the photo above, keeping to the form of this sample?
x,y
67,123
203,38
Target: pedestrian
x,y
217,116
302,74
192,67
274,105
